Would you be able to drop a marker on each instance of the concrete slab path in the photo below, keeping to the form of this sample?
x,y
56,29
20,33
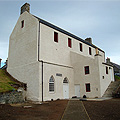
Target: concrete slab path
x,y
75,111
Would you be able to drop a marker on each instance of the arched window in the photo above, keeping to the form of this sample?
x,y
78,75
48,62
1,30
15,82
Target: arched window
x,y
65,80
51,84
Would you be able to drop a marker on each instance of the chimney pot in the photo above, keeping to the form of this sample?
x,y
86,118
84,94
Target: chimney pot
x,y
25,7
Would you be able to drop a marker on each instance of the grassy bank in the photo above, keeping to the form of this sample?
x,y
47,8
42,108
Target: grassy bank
x,y
5,82
117,78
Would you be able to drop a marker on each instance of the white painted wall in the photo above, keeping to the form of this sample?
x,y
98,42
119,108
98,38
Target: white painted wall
x,y
59,53
79,62
105,79
104,83
58,58
48,71
22,57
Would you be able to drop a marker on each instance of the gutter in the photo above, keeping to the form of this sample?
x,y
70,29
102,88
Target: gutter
x,y
39,56
107,64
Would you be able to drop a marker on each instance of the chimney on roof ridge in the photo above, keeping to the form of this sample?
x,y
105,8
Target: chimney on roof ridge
x,y
108,60
89,40
25,7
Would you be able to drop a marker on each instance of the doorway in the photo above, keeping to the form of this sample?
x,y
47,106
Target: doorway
x,y
65,88
77,90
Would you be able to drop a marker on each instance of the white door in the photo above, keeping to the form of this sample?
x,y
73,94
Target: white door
x,y
111,72
65,90
77,90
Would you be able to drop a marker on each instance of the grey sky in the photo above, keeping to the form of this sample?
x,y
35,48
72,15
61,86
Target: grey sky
x,y
97,19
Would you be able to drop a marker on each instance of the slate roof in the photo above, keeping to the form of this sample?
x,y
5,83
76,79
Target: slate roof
x,y
65,32
116,65
107,64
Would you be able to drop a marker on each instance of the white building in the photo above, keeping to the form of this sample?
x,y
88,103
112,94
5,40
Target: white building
x,y
55,63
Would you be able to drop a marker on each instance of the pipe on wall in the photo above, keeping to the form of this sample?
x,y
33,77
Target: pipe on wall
x,y
39,56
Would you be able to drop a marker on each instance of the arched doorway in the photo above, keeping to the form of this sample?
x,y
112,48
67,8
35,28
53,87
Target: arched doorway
x,y
65,88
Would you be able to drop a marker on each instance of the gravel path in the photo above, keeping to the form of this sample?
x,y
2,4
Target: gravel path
x,y
75,111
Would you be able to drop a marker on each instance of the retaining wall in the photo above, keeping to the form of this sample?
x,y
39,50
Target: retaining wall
x,y
12,97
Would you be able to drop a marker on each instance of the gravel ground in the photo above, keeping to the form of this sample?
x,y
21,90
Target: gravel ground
x,y
97,110
28,111
103,110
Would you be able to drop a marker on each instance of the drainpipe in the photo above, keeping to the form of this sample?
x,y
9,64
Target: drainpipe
x,y
38,40
42,81
38,57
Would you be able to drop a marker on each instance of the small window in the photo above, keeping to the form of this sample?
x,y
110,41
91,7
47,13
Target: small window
x,y
88,87
90,52
86,69
65,80
51,84
81,47
69,43
106,70
55,36
22,24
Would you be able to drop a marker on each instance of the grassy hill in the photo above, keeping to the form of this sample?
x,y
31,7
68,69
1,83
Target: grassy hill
x,y
6,81
117,78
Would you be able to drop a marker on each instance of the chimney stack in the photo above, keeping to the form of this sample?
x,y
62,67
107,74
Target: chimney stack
x,y
89,40
108,60
25,7
97,52
0,62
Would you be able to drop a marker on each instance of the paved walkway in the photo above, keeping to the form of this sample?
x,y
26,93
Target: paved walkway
x,y
75,111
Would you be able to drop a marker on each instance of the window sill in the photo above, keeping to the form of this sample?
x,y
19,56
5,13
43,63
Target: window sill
x,y
52,92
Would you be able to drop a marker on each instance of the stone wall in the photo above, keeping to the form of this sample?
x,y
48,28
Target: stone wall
x,y
12,97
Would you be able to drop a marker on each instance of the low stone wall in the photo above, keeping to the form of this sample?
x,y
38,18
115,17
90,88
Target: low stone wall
x,y
12,97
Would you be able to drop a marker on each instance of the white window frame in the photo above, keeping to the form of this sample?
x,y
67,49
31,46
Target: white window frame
x,y
51,84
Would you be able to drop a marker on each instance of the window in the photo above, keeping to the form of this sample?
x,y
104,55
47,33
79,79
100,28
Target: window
x,y
22,24
88,87
65,80
51,84
69,43
55,36
90,52
81,47
106,70
86,69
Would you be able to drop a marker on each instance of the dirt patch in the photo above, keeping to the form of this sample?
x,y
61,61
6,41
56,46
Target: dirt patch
x,y
47,111
103,110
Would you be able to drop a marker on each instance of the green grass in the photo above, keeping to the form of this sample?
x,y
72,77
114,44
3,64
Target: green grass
x,y
5,82
117,78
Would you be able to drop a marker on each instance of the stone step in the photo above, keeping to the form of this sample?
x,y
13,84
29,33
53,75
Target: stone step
x,y
111,88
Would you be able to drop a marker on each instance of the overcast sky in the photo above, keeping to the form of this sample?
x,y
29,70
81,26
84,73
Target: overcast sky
x,y
98,19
